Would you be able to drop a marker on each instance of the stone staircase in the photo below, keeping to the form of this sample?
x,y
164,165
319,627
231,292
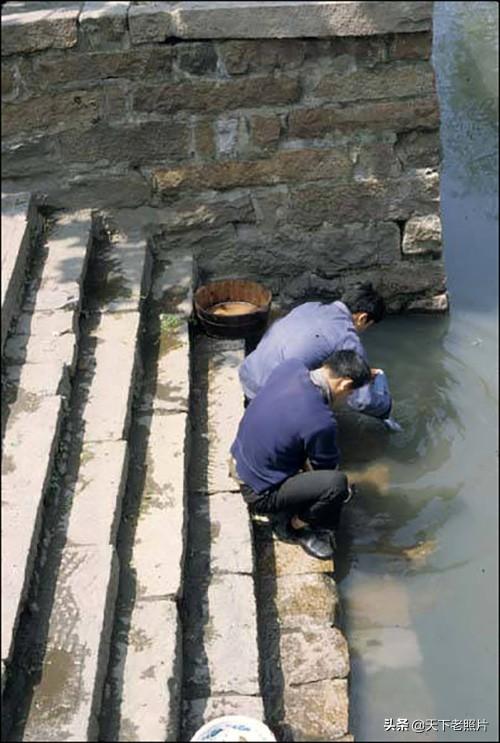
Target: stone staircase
x,y
139,600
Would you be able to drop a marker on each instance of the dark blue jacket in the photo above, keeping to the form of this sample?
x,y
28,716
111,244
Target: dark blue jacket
x,y
288,422
311,333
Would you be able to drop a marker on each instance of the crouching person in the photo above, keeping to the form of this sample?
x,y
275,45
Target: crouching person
x,y
290,427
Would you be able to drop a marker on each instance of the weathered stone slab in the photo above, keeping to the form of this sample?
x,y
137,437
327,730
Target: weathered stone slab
x,y
195,213
66,702
46,324
96,504
151,666
25,30
283,167
36,155
419,149
220,529
210,472
203,139
60,67
389,80
63,272
313,654
16,216
221,637
398,284
280,558
137,143
370,199
107,412
303,600
334,247
36,349
104,23
409,278
150,23
392,115
422,235
199,58
172,287
216,96
237,20
159,540
126,268
56,111
102,187
27,383
411,46
167,387
199,711
317,711
375,160
27,456
257,55
265,131
48,338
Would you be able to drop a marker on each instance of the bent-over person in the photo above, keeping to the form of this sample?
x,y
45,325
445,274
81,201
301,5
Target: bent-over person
x,y
290,426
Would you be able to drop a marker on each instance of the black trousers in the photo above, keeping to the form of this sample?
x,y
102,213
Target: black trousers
x,y
315,497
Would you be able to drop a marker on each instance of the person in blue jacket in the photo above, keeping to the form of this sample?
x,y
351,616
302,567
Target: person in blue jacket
x,y
311,333
290,426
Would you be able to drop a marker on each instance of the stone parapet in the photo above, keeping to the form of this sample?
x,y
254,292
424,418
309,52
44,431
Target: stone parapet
x,y
98,25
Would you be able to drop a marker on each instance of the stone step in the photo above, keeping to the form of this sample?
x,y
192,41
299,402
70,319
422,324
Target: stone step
x,y
21,225
305,656
38,356
219,607
146,662
112,354
67,700
152,646
84,602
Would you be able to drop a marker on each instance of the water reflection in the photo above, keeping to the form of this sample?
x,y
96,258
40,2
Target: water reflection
x,y
466,61
424,381
419,571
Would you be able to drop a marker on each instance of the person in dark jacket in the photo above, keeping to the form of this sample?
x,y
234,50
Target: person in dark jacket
x,y
290,426
311,333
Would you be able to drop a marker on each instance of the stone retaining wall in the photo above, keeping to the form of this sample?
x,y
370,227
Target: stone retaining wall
x,y
306,161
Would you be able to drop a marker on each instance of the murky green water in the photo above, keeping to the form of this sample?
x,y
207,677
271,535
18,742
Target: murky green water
x,y
423,624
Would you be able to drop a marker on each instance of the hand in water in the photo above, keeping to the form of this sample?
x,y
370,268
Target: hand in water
x,y
392,425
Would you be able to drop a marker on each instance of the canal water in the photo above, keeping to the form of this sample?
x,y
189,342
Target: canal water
x,y
418,573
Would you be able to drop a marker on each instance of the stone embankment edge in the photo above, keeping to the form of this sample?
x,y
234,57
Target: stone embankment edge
x,y
123,24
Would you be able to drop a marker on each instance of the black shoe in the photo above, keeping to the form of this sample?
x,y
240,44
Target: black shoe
x,y
281,525
318,543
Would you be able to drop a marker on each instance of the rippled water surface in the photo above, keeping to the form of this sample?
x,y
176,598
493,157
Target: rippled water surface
x,y
419,575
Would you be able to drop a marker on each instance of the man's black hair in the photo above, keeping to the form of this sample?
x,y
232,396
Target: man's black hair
x,y
364,298
349,364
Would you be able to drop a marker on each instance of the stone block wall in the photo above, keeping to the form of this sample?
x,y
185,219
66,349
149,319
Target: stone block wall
x,y
307,162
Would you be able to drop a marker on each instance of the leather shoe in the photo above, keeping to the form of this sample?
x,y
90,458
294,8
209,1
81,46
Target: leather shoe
x,y
283,529
317,543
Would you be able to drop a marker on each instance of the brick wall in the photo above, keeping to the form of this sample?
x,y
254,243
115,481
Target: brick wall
x,y
307,163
